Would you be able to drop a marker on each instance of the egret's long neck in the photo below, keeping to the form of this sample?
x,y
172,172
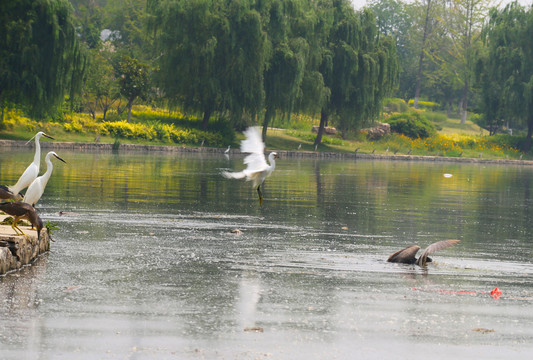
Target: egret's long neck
x,y
37,157
49,168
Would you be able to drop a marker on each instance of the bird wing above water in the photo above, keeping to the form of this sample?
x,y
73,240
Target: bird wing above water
x,y
255,162
254,146
439,245
405,256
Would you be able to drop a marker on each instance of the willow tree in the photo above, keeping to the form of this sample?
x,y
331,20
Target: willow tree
x,y
426,14
506,72
40,55
359,68
212,55
465,26
287,25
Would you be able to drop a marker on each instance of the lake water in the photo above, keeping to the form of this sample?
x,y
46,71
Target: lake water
x,y
145,265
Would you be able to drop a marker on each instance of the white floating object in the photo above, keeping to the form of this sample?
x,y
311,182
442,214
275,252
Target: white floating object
x,y
448,175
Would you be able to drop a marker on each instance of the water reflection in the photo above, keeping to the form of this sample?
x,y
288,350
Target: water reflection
x,y
145,264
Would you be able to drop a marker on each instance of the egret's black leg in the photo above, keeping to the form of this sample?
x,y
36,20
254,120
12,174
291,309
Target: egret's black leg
x,y
260,195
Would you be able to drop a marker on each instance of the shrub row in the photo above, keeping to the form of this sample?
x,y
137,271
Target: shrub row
x,y
150,131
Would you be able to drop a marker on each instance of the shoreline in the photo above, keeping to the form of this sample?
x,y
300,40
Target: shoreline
x,y
9,144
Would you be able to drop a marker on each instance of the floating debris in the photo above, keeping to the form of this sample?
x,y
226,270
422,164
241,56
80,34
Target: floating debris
x,y
483,331
254,329
496,293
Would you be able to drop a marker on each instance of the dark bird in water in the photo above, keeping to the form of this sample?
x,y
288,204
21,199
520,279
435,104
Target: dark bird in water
x,y
407,255
6,194
19,211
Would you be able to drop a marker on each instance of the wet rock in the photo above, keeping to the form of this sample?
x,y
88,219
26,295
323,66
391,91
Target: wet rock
x,y
327,129
17,251
378,131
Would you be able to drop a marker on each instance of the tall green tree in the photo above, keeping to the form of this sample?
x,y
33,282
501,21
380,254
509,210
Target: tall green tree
x,y
505,73
40,56
287,26
360,68
101,89
426,22
126,21
465,24
212,55
133,78
396,18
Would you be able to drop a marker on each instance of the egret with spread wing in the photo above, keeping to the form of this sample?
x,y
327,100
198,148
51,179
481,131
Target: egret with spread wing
x,y
32,171
36,189
407,255
257,168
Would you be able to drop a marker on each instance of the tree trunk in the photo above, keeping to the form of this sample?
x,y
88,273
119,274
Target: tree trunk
x,y
2,119
464,111
421,57
268,116
130,105
418,79
323,121
205,120
527,144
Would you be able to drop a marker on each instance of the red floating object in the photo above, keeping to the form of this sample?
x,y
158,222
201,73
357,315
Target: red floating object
x,y
496,293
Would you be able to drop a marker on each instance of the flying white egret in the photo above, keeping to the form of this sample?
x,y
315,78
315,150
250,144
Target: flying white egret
x,y
32,171
257,169
407,255
36,188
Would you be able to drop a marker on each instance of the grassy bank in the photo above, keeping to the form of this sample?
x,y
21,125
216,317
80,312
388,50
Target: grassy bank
x,y
156,127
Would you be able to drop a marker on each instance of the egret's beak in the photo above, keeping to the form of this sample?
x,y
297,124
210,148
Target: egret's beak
x,y
276,156
48,136
58,158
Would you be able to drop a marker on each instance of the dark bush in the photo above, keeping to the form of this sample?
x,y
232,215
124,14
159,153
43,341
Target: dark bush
x,y
411,124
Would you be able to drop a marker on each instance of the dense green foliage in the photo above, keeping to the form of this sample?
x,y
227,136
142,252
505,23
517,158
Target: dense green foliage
x,y
40,55
244,62
506,71
245,57
411,124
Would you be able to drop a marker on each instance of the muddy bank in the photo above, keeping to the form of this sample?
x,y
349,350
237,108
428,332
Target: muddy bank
x,y
77,146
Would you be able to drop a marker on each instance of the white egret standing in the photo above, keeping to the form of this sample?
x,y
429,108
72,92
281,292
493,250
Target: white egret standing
x,y
257,169
32,171
36,188
226,153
